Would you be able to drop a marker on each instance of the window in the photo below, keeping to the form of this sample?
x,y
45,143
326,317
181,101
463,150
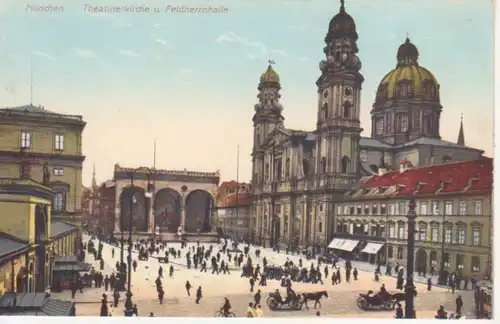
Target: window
x,y
401,231
339,210
383,209
320,227
392,231
58,202
400,252
446,260
476,236
416,120
423,208
475,264
461,235
367,210
448,208
460,261
447,235
58,171
392,209
324,110
351,210
463,207
346,210
373,230
320,207
435,208
374,209
422,232
59,142
25,140
339,227
380,126
402,208
359,209
478,207
403,123
435,234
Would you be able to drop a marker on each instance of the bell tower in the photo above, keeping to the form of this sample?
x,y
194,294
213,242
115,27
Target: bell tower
x,y
266,118
339,91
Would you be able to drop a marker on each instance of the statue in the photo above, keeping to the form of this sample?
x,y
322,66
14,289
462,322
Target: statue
x,y
46,174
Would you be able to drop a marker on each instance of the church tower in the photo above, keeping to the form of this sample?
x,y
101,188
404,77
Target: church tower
x,y
266,118
339,88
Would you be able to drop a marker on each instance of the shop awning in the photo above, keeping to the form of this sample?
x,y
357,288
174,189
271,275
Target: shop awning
x,y
348,245
335,243
372,248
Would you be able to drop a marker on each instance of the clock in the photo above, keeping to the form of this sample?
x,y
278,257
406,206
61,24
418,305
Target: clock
x,y
325,94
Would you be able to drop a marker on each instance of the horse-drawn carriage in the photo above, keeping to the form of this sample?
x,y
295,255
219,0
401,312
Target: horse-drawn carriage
x,y
143,256
388,301
275,302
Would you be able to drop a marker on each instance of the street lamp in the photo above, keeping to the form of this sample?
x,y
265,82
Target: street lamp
x,y
148,195
410,287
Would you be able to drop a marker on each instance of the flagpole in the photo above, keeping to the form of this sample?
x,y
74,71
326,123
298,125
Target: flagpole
x,y
237,178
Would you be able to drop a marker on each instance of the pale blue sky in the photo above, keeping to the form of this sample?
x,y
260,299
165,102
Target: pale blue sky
x,y
189,80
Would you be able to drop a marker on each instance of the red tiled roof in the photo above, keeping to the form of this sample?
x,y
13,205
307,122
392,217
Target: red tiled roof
x,y
467,176
237,199
231,185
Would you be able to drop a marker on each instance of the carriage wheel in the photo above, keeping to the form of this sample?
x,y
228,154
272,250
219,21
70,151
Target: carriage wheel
x,y
362,303
274,305
269,301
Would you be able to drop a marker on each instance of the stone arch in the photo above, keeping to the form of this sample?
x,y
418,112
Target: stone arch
x,y
167,209
199,205
133,208
41,226
21,279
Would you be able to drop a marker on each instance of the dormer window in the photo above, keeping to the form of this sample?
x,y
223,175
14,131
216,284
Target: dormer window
x,y
405,89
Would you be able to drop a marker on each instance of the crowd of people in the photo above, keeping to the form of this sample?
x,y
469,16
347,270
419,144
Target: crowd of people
x,y
220,259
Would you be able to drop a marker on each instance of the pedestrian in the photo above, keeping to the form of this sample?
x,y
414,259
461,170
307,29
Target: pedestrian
x,y
252,283
188,288
399,311
257,297
113,253
459,303
171,271
429,284
355,274
161,294
199,295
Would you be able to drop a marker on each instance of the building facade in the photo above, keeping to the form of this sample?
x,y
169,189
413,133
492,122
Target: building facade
x,y
234,209
165,200
298,176
107,193
454,217
52,143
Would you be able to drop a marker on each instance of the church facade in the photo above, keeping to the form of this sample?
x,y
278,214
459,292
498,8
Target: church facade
x,y
299,176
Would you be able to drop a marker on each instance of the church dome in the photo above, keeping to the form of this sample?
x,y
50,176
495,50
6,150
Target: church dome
x,y
342,25
270,76
408,80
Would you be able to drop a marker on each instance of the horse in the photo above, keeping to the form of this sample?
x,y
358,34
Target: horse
x,y
399,297
316,296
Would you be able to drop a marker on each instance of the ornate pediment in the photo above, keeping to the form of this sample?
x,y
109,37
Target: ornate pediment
x,y
278,136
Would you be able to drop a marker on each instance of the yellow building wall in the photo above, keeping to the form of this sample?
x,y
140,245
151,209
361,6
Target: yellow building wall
x,y
43,141
16,211
9,271
64,246
43,138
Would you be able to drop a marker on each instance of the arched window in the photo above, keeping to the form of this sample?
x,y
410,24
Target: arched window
x,y
266,171
345,164
324,111
305,167
347,109
323,164
287,168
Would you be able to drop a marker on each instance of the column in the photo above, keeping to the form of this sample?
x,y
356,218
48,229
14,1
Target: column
x,y
151,218
183,215
117,220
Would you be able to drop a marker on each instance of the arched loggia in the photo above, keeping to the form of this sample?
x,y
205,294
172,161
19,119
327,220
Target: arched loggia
x,y
167,209
133,204
199,205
